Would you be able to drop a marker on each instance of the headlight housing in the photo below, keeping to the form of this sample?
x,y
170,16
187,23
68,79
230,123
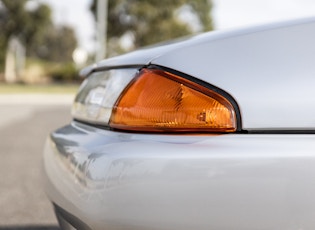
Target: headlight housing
x,y
153,100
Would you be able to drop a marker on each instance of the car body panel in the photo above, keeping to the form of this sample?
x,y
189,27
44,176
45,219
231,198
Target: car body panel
x,y
114,180
268,70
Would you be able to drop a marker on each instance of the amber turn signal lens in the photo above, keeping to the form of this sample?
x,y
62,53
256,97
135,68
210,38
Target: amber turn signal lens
x,y
159,101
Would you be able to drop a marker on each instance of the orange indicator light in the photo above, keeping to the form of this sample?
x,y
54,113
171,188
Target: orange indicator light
x,y
159,101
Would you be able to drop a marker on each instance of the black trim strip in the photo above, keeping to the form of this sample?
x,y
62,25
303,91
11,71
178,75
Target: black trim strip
x,y
104,68
281,132
258,132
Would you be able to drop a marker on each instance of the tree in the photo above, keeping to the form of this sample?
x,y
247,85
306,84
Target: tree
x,y
152,21
56,45
33,26
27,25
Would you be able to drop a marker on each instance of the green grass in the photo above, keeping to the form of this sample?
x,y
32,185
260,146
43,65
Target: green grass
x,y
29,89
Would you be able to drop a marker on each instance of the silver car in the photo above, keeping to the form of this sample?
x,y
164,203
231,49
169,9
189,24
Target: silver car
x,y
213,132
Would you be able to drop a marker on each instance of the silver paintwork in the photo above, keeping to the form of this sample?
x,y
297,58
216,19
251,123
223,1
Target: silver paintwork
x,y
114,180
269,70
270,73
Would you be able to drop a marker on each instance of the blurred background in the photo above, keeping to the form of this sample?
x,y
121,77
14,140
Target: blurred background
x,y
43,45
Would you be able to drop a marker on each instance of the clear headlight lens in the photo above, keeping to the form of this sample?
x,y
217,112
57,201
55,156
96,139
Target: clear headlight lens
x,y
153,100
98,94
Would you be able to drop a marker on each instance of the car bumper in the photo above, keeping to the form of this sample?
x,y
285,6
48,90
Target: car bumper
x,y
113,180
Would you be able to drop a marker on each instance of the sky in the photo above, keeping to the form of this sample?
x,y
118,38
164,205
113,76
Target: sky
x,y
240,13
227,14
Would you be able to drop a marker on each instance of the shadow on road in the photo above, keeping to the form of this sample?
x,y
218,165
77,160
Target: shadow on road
x,y
29,227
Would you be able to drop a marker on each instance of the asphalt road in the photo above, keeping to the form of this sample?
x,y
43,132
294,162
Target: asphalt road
x,y
24,126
